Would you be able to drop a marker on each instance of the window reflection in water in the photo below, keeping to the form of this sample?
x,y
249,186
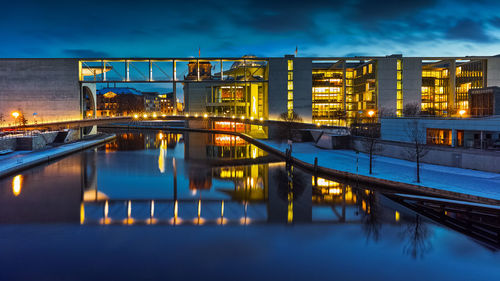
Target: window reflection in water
x,y
213,188
17,184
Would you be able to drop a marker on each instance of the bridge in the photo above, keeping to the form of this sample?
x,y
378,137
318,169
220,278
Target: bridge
x,y
80,123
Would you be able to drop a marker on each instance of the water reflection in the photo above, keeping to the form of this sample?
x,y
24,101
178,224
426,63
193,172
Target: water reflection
x,y
17,184
203,179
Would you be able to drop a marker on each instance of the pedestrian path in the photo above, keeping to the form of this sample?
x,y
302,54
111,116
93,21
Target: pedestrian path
x,y
477,183
21,160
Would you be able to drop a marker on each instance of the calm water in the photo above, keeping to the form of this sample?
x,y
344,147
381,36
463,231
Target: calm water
x,y
156,205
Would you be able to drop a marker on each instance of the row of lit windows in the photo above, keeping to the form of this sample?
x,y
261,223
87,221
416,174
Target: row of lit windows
x,y
399,88
290,88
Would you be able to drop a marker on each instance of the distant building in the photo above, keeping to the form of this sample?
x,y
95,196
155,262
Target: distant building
x,y
151,101
125,102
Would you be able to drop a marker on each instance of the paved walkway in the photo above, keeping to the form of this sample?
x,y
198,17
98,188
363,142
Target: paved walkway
x,y
478,183
21,160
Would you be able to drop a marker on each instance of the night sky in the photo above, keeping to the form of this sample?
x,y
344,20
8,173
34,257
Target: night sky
x,y
146,28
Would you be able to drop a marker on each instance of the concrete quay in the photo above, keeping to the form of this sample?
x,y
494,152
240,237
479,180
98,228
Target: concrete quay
x,y
21,161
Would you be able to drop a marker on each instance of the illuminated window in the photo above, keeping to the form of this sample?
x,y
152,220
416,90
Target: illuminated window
x,y
370,68
364,70
290,65
290,75
290,85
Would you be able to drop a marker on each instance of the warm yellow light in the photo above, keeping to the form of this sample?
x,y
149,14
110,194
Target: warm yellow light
x,y
154,115
152,211
15,114
136,116
233,117
242,117
371,113
145,116
245,220
82,213
251,118
205,115
462,112
160,136
318,124
396,216
261,119
164,115
196,115
187,115
17,183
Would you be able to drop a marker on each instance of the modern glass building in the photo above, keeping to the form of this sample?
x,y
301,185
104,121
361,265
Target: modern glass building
x,y
335,91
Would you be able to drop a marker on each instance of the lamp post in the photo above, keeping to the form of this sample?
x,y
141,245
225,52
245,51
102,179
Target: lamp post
x,y
462,112
15,114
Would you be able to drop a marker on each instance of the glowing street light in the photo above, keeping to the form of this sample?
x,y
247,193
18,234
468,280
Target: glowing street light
x,y
371,113
136,116
15,114
462,112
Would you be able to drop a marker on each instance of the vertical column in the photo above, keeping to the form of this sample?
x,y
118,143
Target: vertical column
x,y
454,137
150,71
103,70
344,81
174,86
127,70
221,71
198,70
451,84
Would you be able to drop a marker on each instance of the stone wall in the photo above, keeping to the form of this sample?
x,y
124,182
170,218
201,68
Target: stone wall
x,y
488,161
47,87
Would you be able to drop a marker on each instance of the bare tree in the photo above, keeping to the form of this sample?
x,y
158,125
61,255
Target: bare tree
x,y
416,135
289,123
370,145
417,234
411,109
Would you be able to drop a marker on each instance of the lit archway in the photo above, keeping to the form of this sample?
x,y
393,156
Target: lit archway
x,y
89,103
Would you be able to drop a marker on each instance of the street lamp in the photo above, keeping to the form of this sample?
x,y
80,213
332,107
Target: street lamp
x,y
371,113
15,114
462,112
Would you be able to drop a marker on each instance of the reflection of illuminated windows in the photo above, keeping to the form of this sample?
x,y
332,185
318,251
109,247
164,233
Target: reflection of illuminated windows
x,y
17,184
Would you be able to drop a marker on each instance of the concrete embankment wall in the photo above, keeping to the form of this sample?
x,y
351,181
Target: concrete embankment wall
x,y
41,157
488,161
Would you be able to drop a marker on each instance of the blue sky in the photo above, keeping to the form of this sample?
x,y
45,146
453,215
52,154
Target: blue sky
x,y
233,28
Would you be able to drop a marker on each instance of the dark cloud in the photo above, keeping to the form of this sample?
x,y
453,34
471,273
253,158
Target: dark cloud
x,y
369,10
84,53
468,30
228,27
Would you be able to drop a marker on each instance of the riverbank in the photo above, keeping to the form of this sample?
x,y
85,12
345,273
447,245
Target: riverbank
x,y
463,184
22,160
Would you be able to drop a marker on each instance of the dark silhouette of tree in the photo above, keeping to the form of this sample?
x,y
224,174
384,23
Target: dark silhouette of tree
x,y
371,215
411,109
417,234
370,144
290,121
418,149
